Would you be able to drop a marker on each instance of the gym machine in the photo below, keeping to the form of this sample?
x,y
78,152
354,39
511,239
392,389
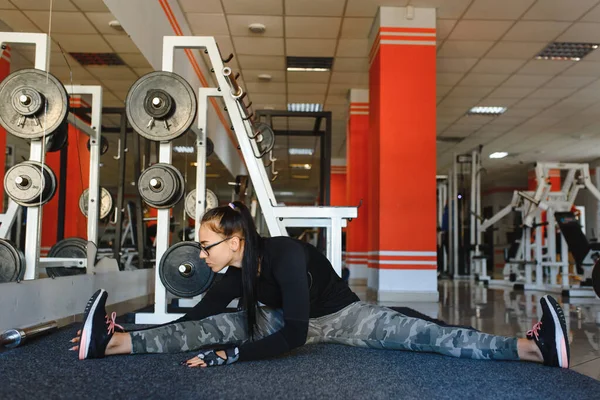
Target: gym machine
x,y
152,103
34,106
555,208
460,252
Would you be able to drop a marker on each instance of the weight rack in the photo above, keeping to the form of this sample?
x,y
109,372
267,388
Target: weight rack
x,y
277,218
34,214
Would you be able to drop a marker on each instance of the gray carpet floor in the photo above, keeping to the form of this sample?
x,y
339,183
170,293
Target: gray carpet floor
x,y
45,369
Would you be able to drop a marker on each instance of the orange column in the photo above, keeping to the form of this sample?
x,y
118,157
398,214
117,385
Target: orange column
x,y
402,156
357,235
338,185
77,180
4,71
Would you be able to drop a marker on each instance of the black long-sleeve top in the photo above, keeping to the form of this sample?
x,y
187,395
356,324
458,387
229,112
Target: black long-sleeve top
x,y
295,277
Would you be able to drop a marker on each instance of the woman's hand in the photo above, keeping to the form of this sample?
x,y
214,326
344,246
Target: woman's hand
x,y
211,358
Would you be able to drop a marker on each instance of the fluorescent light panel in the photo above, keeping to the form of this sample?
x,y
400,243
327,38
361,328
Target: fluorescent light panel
x,y
566,51
299,69
301,166
305,107
499,154
487,110
184,149
300,152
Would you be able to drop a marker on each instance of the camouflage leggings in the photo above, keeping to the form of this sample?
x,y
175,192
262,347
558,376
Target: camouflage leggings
x,y
359,324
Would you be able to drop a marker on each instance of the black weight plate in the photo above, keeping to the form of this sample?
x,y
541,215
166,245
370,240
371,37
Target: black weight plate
x,y
596,278
172,91
103,145
241,184
45,109
34,188
210,147
185,255
59,139
12,265
265,138
169,189
67,248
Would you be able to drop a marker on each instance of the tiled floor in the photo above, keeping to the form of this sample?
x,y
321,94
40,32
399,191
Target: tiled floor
x,y
510,313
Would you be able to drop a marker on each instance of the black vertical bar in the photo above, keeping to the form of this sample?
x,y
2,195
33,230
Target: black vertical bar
x,y
62,192
147,149
326,163
121,191
139,212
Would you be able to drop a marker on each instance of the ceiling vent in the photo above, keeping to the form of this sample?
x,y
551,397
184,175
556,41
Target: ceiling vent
x,y
561,51
309,63
86,59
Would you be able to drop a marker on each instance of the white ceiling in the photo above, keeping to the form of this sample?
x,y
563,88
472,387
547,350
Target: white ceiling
x,y
485,57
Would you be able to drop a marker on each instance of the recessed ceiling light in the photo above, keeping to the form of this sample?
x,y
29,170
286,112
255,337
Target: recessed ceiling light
x,y
265,77
499,154
301,152
116,25
301,177
286,193
483,110
257,28
566,51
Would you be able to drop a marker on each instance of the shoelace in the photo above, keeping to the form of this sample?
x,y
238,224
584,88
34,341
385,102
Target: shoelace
x,y
111,323
535,330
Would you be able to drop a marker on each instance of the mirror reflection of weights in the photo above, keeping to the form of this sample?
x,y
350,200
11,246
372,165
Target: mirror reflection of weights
x,y
190,202
12,262
106,203
67,248
30,183
37,106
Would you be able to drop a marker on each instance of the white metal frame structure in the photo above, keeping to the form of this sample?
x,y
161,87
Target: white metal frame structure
x,y
277,218
33,262
532,204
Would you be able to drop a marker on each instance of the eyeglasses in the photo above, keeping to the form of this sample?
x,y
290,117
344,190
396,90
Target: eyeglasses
x,y
210,246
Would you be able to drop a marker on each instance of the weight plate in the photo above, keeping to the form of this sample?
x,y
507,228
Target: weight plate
x,y
210,147
59,138
33,103
103,145
106,202
161,185
28,186
265,138
190,202
12,262
183,272
161,106
596,278
67,248
241,184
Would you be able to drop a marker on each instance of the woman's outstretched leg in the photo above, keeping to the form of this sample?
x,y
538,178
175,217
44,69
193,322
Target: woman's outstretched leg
x,y
98,337
368,325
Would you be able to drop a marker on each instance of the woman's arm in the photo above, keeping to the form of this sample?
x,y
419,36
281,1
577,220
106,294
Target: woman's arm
x,y
217,298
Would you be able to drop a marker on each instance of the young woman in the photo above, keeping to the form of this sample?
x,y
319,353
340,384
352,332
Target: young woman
x,y
306,302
